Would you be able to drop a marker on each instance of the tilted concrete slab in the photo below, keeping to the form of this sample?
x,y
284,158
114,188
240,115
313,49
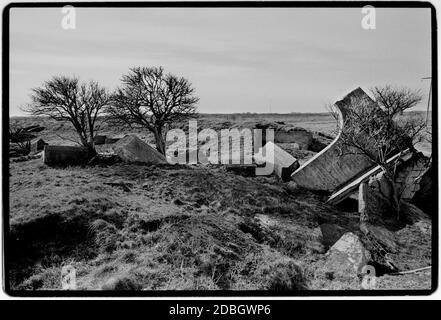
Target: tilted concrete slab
x,y
284,163
132,149
328,170
353,185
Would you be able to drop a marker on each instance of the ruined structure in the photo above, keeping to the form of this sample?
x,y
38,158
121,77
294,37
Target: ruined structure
x,y
132,149
284,163
301,136
329,170
99,139
37,145
348,189
65,155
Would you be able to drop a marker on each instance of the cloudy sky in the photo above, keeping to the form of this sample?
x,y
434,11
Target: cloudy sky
x,y
239,60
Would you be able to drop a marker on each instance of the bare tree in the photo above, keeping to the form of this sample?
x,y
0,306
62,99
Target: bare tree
x,y
65,99
150,98
380,130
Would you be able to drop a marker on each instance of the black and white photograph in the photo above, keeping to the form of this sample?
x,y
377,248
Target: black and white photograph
x,y
219,148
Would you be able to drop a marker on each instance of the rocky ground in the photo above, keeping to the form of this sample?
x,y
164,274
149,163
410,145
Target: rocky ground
x,y
180,227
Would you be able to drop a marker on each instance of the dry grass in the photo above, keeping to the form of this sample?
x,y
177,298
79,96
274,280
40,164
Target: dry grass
x,y
176,227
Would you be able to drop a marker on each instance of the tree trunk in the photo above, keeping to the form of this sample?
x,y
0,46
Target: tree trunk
x,y
395,198
91,150
159,140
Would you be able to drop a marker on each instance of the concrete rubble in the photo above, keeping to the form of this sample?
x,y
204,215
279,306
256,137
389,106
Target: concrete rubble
x,y
300,136
132,149
37,145
65,155
328,170
347,255
284,163
99,139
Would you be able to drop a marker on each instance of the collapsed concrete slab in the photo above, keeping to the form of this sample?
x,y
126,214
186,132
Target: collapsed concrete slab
x,y
132,149
410,174
328,169
65,155
411,168
345,191
284,163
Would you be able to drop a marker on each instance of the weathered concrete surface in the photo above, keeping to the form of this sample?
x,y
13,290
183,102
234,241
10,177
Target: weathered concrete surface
x,y
346,190
347,255
411,169
284,163
99,139
132,149
373,205
328,170
293,135
65,155
423,198
37,145
410,174
112,140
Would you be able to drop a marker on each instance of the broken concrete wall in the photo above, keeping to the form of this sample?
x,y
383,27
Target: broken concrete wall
x,y
409,176
372,204
65,155
293,135
328,169
99,139
410,170
37,145
284,163
132,149
424,196
112,140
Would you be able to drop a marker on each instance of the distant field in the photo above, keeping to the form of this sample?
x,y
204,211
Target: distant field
x,y
59,132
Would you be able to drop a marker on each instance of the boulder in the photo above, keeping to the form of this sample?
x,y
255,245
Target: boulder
x,y
347,255
331,233
65,155
132,149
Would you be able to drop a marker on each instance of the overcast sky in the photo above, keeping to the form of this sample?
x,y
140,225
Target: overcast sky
x,y
239,60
